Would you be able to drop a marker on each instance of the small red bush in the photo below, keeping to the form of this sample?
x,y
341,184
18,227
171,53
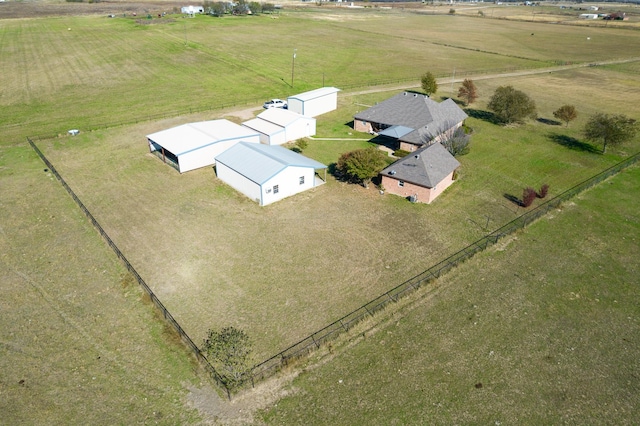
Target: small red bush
x,y
544,189
528,195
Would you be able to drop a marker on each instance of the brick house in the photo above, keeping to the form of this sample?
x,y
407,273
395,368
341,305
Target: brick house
x,y
422,175
412,119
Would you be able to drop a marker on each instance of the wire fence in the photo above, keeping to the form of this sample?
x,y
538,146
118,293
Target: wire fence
x,y
314,341
333,330
157,303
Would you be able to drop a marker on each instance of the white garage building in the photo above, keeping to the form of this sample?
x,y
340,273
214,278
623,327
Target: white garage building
x,y
194,145
315,102
278,126
267,173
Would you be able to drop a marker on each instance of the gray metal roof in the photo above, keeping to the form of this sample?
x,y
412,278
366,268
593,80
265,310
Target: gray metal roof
x,y
396,131
259,163
312,94
426,166
426,117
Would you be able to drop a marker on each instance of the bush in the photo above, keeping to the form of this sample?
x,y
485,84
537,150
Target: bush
x,y
452,11
544,189
303,144
528,195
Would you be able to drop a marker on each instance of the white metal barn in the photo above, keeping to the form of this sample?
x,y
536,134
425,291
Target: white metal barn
x,y
315,102
267,173
194,145
278,126
191,10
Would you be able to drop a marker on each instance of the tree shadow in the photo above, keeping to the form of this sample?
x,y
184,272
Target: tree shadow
x,y
515,200
573,143
548,121
483,115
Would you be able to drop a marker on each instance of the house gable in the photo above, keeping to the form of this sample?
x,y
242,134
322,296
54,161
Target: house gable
x,y
425,118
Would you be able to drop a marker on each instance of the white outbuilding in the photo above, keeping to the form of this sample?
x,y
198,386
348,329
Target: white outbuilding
x,y
278,126
267,173
315,102
194,145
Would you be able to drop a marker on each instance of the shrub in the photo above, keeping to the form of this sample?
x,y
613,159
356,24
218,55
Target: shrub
x,y
303,144
528,195
400,153
452,11
544,189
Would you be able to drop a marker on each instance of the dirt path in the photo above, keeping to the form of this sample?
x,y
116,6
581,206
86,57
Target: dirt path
x,y
549,70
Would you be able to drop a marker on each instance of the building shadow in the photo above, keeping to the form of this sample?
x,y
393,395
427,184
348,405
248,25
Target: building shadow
x,y
572,143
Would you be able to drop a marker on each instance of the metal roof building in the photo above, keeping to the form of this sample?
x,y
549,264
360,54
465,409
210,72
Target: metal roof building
x,y
314,102
278,126
194,145
267,173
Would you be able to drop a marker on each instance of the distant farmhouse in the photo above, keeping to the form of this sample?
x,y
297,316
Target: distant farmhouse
x,y
191,10
412,119
421,176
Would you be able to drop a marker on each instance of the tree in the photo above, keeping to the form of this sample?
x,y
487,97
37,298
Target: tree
x,y
217,8
429,84
457,143
511,105
468,92
566,113
229,351
610,129
362,165
255,7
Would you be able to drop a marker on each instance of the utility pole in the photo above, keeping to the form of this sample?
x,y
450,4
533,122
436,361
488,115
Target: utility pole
x,y
293,66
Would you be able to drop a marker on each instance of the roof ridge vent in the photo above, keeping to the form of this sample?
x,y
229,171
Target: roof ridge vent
x,y
415,95
405,93
417,156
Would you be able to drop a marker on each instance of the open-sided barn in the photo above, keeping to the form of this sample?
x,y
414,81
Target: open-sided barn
x,y
314,102
278,126
194,145
267,173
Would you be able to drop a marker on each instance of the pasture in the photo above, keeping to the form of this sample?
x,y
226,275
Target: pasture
x,y
543,328
213,257
216,258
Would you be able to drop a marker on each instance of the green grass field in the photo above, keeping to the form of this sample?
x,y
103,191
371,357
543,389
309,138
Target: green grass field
x,y
543,328
214,257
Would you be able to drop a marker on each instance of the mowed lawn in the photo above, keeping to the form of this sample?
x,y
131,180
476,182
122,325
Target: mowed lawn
x,y
543,328
216,258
